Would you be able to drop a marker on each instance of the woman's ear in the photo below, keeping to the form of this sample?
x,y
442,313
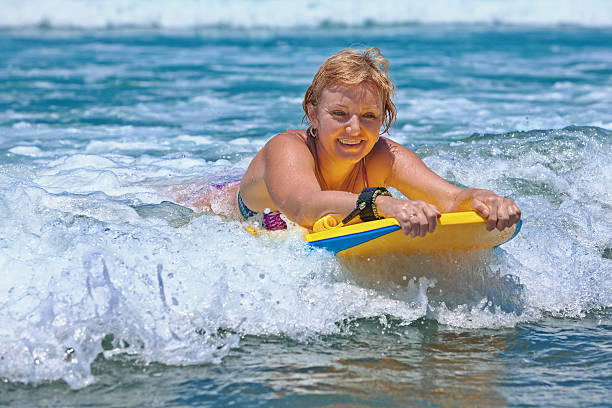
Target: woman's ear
x,y
312,115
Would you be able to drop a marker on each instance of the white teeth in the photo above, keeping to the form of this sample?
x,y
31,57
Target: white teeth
x,y
349,141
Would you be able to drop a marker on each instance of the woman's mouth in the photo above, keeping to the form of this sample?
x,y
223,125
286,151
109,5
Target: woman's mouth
x,y
349,142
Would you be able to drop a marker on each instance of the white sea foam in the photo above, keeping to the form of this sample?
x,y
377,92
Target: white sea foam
x,y
119,146
273,13
95,263
202,140
32,151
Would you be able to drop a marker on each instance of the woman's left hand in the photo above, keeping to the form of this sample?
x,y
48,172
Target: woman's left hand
x,y
500,212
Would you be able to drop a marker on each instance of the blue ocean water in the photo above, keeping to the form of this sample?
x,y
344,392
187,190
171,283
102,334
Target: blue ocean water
x,y
111,294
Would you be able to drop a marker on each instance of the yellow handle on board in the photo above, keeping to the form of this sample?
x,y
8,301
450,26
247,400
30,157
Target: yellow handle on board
x,y
330,221
326,223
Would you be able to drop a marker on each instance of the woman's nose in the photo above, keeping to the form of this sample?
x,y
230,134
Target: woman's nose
x,y
352,127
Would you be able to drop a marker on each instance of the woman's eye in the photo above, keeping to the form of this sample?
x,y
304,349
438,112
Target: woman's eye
x,y
369,115
337,113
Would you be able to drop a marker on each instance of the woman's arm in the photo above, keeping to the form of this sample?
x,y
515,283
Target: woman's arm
x,y
289,176
500,212
425,189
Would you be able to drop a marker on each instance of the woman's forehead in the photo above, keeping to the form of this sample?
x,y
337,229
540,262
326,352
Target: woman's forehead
x,y
365,93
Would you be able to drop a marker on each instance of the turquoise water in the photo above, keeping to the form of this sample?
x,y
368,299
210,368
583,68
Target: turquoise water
x,y
111,295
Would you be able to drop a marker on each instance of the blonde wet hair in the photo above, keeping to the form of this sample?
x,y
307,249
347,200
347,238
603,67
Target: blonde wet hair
x,y
352,67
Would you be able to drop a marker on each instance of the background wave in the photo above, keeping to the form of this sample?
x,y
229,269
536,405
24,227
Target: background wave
x,y
274,13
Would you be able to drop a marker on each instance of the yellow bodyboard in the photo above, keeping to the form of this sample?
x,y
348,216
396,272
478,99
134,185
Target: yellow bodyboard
x,y
460,230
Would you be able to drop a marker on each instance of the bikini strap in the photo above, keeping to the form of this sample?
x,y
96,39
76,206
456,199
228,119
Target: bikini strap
x,y
364,173
244,210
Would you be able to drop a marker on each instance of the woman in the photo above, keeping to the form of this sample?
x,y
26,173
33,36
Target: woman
x,y
336,166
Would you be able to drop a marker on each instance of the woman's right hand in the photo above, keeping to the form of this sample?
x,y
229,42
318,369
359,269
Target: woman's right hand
x,y
416,218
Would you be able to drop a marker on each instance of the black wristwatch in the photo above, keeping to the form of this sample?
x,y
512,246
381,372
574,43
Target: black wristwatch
x,y
366,207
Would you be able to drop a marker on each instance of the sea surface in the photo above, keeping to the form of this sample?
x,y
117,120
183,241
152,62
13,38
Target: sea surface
x,y
112,294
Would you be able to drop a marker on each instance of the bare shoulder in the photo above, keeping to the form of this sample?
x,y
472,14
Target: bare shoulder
x,y
385,157
283,159
287,142
387,149
288,150
393,149
290,136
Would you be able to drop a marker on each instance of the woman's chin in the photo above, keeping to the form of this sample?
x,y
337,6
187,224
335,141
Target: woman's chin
x,y
351,150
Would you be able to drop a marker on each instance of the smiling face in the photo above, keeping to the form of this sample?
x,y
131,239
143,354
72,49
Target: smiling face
x,y
348,120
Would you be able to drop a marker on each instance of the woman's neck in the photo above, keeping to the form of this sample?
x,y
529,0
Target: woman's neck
x,y
337,175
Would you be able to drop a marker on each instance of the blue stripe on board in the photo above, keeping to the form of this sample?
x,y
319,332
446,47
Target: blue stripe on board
x,y
337,244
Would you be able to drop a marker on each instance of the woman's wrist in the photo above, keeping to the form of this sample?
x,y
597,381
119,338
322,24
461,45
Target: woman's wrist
x,y
382,205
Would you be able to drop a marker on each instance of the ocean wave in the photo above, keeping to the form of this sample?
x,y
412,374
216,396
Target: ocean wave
x,y
274,13
96,265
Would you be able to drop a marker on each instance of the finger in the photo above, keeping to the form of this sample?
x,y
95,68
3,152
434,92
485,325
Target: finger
x,y
480,207
405,221
426,217
503,219
432,218
416,225
423,215
423,229
406,225
423,224
416,219
408,229
492,218
515,214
